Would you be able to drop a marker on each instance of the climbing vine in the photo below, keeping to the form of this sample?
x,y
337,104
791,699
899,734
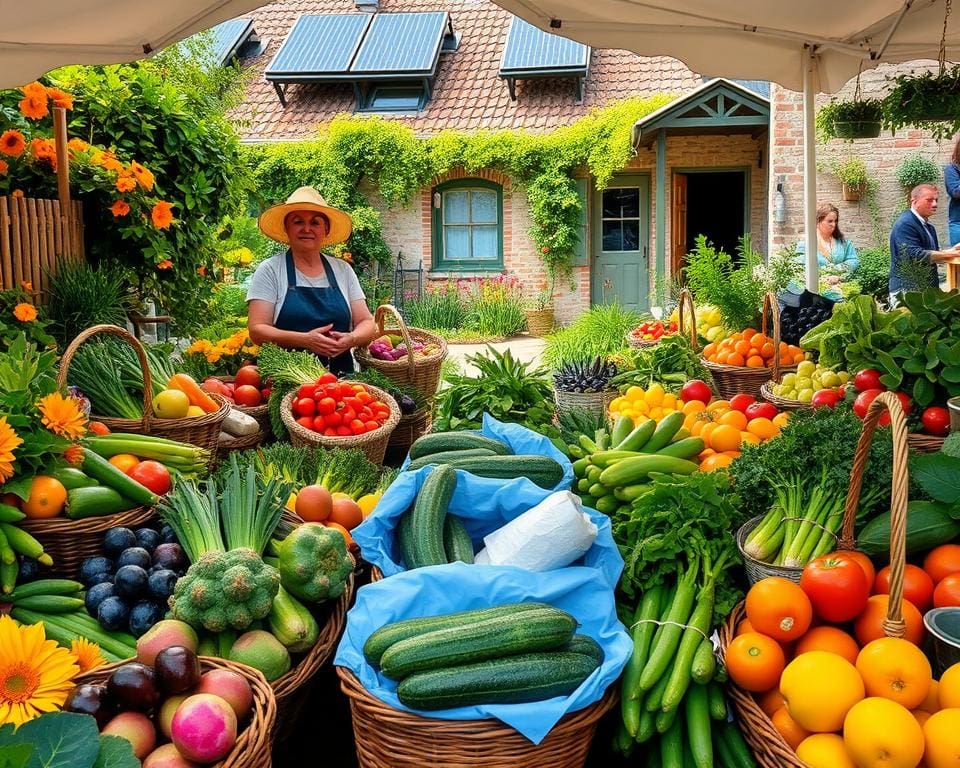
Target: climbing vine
x,y
389,156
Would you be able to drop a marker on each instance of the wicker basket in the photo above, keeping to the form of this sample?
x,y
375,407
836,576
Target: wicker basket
x,y
70,542
260,412
783,403
685,298
597,402
410,427
730,380
252,749
539,321
224,447
924,443
373,444
202,431
757,569
768,746
422,373
393,738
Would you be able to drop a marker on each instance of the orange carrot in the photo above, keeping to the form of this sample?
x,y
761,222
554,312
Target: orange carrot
x,y
193,392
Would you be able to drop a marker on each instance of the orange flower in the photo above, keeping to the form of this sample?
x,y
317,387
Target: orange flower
x,y
44,151
119,208
165,264
36,90
126,184
143,176
12,143
74,455
16,194
25,313
4,167
77,145
60,98
33,107
202,271
87,654
162,215
62,416
9,440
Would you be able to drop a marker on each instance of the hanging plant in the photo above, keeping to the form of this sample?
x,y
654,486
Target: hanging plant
x,y
857,119
852,174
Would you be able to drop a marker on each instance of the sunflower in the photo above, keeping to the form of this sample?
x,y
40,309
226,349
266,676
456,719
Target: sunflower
x,y
162,215
12,143
143,176
62,416
25,313
34,107
126,184
36,674
87,654
9,441
74,456
120,208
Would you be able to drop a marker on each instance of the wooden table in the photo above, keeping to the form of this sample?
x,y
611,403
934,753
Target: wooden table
x,y
953,272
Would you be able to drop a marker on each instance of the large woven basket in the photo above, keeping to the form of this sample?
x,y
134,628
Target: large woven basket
x,y
392,738
373,444
597,402
685,299
70,542
730,380
783,403
539,321
202,431
252,749
768,746
225,446
259,412
410,427
422,373
924,443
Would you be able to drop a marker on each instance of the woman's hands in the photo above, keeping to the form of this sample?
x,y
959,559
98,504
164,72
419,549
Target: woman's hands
x,y
327,342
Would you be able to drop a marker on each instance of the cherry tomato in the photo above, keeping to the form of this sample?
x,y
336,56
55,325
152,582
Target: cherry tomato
x,y
371,425
319,423
917,585
248,374
265,393
347,414
947,592
327,378
742,402
333,419
942,561
867,379
936,421
862,403
761,410
696,389
306,422
343,431
357,427
305,406
152,475
836,585
346,390
332,390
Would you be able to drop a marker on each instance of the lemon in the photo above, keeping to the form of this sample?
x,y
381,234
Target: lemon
x,y
171,404
368,502
195,410
654,396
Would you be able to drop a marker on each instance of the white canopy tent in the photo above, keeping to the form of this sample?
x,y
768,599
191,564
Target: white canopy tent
x,y
812,46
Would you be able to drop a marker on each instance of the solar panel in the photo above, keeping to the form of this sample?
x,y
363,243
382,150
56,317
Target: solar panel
x,y
531,51
402,43
319,47
228,37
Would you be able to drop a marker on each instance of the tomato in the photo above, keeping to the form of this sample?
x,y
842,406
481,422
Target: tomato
x,y
917,585
947,592
306,390
347,414
741,402
696,389
936,421
265,393
357,427
306,422
305,406
869,624
865,562
343,431
330,432
836,585
124,461
326,405
152,475
333,419
319,423
352,402
247,395
941,561
862,403
825,398
754,662
332,390
779,608
346,390
867,379
761,411
249,374
371,425
327,378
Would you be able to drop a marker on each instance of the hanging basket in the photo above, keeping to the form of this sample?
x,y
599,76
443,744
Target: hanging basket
x,y
685,300
768,746
853,192
856,129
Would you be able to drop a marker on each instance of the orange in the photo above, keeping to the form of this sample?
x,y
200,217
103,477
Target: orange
x,y
941,734
742,348
723,437
895,669
124,461
717,461
748,333
694,407
948,691
754,661
819,688
721,357
831,640
710,350
744,626
869,624
920,715
798,357
749,437
792,733
735,358
931,704
706,432
766,351
879,733
758,340
779,608
770,701
755,361
733,419
763,428
47,498
824,750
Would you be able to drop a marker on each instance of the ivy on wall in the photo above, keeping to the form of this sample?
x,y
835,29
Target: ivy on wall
x,y
390,156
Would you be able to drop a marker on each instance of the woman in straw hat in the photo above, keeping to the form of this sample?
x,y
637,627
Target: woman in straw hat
x,y
302,299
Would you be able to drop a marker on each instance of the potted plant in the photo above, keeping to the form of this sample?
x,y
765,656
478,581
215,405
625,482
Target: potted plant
x,y
930,100
852,174
538,310
917,169
857,119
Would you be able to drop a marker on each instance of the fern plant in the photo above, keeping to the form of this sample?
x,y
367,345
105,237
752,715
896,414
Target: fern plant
x,y
735,289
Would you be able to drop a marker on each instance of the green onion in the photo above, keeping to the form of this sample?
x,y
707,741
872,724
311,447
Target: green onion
x,y
250,510
194,518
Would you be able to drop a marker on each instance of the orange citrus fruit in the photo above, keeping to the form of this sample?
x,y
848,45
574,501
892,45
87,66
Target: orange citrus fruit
x,y
824,750
941,733
819,688
47,498
831,640
895,669
787,727
124,461
723,437
880,733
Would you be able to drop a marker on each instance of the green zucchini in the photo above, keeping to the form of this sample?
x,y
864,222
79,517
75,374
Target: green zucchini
x,y
542,470
10,514
396,631
456,541
636,470
526,632
438,442
607,504
96,501
47,604
638,437
686,448
66,587
512,680
606,458
666,430
622,427
97,467
291,622
71,477
429,511
586,645
445,457
928,526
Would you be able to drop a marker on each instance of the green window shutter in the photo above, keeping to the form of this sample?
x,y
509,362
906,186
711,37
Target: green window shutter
x,y
580,250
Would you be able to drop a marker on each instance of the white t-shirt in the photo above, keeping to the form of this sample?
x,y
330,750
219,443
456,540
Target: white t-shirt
x,y
269,281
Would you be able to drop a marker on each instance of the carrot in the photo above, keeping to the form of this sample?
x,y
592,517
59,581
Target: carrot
x,y
193,392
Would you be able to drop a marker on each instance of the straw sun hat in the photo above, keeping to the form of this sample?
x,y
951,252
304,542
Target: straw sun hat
x,y
305,199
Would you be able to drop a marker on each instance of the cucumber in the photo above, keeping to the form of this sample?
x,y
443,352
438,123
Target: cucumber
x,y
526,632
396,631
10,514
456,541
636,440
100,469
96,501
8,577
607,504
686,448
668,427
928,526
66,587
438,442
622,427
586,645
542,470
580,467
429,511
47,604
636,470
606,458
445,457
405,538
512,680
71,477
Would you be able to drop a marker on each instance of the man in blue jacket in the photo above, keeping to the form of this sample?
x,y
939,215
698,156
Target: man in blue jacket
x,y
914,247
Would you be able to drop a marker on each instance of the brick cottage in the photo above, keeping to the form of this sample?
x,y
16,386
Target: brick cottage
x,y
710,162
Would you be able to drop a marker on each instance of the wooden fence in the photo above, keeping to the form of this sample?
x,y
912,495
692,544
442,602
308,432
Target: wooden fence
x,y
34,233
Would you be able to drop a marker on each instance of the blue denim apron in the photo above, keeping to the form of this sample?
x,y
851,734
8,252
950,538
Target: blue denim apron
x,y
305,308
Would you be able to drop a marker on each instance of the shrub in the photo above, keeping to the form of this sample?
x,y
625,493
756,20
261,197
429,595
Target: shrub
x,y
495,306
441,308
873,272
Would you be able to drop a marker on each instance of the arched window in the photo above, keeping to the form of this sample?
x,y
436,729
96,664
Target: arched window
x,y
468,225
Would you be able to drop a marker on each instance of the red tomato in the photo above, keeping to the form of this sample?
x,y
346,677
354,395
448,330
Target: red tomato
x,y
319,424
247,395
249,374
761,411
352,402
330,432
153,475
936,421
347,414
865,562
327,378
941,561
305,422
825,398
917,585
343,431
946,594
742,402
265,393
326,405
332,390
304,406
836,585
862,404
867,379
333,419
346,390
306,390
696,389
357,427
371,425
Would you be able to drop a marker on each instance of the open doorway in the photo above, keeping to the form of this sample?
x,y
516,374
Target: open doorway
x,y
712,203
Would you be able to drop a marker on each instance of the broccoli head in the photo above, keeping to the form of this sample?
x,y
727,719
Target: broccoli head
x,y
314,563
225,590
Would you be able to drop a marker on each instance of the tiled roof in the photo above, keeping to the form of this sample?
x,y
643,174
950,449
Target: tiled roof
x,y
467,92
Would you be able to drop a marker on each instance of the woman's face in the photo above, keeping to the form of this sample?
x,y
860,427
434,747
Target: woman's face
x,y
827,225
306,229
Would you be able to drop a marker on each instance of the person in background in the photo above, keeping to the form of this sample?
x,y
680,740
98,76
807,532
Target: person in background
x,y
835,253
951,177
914,246
302,299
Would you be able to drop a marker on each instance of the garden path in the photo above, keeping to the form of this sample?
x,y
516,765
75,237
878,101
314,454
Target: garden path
x,y
524,348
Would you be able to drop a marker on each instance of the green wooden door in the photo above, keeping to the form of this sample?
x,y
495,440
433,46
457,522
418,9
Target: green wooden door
x,y
621,240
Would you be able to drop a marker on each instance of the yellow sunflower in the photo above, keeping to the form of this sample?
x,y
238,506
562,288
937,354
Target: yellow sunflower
x,y
87,654
36,674
62,416
9,440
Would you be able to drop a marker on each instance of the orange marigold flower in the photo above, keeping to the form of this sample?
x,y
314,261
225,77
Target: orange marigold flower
x,y
162,215
126,184
165,264
4,167
33,107
12,143
119,208
43,148
60,98
62,416
143,176
202,271
35,89
25,313
74,455
9,441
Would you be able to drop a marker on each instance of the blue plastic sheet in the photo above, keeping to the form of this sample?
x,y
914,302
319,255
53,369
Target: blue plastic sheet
x,y
458,587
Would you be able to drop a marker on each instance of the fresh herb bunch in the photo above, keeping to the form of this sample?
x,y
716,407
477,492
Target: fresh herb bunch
x,y
733,288
671,362
82,295
853,328
601,331
286,369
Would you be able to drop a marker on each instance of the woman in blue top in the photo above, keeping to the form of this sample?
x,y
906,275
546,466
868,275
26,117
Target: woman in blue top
x,y
833,249
951,177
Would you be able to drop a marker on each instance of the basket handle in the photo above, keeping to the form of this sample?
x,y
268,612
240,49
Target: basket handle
x,y
686,298
122,333
381,311
770,305
893,624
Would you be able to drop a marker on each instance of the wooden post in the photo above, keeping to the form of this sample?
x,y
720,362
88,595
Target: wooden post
x,y
63,159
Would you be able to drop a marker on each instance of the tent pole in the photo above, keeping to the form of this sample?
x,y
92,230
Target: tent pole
x,y
810,171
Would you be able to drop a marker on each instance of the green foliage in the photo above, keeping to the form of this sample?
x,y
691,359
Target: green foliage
x,y
442,307
495,306
60,739
850,171
601,331
872,275
837,111
82,295
917,169
930,100
672,362
11,325
715,279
